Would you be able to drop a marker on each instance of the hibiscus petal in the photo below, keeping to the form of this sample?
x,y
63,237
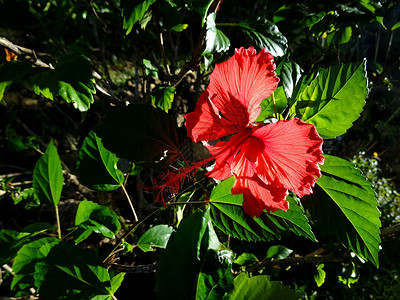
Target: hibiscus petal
x,y
225,152
293,150
205,123
238,85
257,195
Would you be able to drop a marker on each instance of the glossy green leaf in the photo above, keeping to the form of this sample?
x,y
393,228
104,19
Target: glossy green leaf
x,y
228,216
289,74
267,105
216,40
346,208
260,287
26,259
92,217
140,133
334,99
320,276
191,255
48,177
97,167
162,97
69,271
133,11
265,34
156,236
71,79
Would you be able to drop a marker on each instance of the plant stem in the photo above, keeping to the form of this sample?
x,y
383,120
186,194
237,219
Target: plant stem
x,y
58,223
130,202
273,103
227,24
128,232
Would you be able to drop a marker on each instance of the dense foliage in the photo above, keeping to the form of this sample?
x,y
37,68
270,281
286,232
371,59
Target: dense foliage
x,y
93,96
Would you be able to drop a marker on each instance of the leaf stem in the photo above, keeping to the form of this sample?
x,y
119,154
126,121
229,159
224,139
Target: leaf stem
x,y
273,103
128,232
130,203
227,24
58,223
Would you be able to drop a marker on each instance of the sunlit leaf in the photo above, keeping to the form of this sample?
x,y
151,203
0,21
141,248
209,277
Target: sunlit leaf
x,y
92,217
71,79
162,97
97,167
156,236
228,216
319,277
267,105
334,99
133,11
26,259
289,74
260,287
216,40
11,241
346,208
265,34
48,177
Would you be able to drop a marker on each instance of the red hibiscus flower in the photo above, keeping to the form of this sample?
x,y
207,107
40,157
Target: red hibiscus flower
x,y
266,160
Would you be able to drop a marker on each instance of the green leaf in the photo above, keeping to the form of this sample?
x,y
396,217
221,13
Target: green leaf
x,y
289,74
12,71
11,241
154,138
48,176
265,34
191,252
334,99
71,79
201,6
92,217
278,252
97,167
228,216
163,97
267,105
320,276
116,282
216,40
260,287
395,26
346,208
340,36
71,272
149,69
213,285
156,236
133,11
3,87
246,259
26,259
